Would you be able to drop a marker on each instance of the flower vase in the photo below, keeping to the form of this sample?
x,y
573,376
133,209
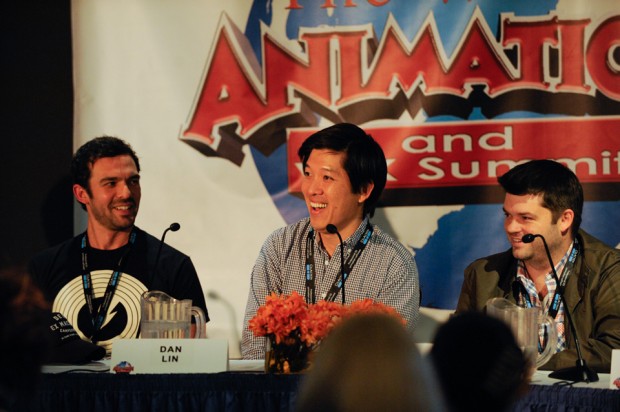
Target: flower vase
x,y
285,358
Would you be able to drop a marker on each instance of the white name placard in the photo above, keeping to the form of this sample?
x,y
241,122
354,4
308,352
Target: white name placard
x,y
169,356
614,376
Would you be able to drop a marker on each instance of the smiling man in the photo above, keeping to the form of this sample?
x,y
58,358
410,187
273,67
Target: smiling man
x,y
344,174
545,198
96,279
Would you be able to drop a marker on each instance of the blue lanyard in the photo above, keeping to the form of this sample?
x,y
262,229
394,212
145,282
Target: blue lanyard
x,y
348,266
559,289
99,314
566,272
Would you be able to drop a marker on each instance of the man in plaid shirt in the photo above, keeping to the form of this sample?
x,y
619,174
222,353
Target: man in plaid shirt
x,y
344,173
545,198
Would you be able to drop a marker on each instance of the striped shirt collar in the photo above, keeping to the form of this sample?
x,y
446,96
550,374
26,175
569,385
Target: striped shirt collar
x,y
351,240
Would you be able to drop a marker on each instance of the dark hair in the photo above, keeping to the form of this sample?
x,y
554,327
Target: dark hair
x,y
24,335
364,159
558,185
478,363
369,362
90,152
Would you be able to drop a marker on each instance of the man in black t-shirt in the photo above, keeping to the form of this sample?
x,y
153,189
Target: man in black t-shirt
x,y
96,279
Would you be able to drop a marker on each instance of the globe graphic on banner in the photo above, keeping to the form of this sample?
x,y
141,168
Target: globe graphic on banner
x,y
464,235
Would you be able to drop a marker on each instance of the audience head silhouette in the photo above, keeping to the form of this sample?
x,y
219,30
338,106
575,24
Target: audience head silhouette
x,y
369,363
24,320
478,363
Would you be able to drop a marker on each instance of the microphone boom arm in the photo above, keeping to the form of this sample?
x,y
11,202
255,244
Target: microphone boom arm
x,y
580,372
334,230
173,227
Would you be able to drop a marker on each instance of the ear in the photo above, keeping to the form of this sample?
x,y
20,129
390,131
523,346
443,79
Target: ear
x,y
365,193
81,194
566,220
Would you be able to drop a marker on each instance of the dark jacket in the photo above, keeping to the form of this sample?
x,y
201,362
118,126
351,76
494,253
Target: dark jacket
x,y
592,294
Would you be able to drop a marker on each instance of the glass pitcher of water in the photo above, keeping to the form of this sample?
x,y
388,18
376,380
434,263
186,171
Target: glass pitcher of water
x,y
164,317
528,325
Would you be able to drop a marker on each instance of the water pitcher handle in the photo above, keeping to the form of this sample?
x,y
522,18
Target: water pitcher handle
x,y
200,319
552,339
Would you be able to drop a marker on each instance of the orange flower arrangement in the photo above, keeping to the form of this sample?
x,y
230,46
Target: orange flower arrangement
x,y
288,321
319,321
279,317
294,328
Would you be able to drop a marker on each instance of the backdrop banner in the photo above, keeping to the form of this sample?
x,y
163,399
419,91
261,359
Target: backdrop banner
x,y
216,97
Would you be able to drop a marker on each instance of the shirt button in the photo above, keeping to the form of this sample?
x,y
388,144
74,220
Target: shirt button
x,y
327,263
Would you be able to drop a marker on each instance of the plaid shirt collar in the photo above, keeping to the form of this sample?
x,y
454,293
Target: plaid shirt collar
x,y
534,299
348,242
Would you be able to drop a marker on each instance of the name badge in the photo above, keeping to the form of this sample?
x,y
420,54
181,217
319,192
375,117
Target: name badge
x,y
169,356
614,376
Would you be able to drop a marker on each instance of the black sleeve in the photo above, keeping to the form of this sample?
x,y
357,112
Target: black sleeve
x,y
177,276
53,268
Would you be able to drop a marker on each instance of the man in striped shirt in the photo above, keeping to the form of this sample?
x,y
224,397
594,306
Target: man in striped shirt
x,y
344,173
545,198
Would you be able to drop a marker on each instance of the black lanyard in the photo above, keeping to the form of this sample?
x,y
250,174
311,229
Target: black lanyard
x,y
347,268
559,289
98,315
